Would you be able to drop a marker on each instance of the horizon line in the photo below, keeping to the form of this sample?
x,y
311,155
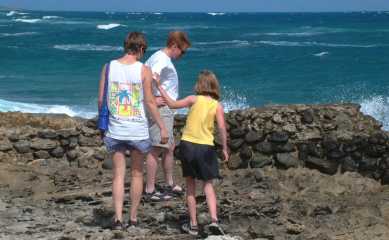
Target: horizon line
x,y
7,8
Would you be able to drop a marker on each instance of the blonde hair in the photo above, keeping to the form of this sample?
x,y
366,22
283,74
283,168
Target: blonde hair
x,y
207,85
179,38
134,43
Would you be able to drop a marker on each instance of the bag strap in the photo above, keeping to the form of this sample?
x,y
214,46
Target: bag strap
x,y
106,83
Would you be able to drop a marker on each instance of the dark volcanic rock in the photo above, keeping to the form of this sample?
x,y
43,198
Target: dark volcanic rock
x,y
307,116
264,147
58,152
323,165
43,144
236,143
47,134
279,137
237,133
253,137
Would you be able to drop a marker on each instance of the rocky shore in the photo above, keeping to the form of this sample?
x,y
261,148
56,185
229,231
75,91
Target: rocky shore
x,y
296,172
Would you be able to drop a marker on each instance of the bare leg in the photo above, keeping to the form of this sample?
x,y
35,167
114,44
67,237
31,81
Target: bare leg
x,y
136,182
211,199
119,170
191,199
168,165
152,167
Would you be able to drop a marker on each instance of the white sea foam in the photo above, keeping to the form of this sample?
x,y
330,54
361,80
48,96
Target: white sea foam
x,y
311,44
11,13
17,34
10,106
87,47
157,13
377,107
108,26
50,17
321,54
27,20
293,34
236,42
215,13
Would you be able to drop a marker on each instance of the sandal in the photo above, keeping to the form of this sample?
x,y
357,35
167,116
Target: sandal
x,y
156,196
190,229
174,189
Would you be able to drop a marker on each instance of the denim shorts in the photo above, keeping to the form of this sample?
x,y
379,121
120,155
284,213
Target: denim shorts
x,y
115,145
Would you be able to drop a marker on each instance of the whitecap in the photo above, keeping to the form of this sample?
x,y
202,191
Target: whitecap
x,y
87,47
11,106
238,42
11,13
27,20
216,13
50,17
157,13
310,44
321,54
377,107
17,34
108,26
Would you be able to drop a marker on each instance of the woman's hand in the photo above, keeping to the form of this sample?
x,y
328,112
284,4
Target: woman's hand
x,y
164,135
157,79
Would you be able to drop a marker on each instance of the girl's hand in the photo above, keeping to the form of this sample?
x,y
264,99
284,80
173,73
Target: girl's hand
x,y
157,79
225,155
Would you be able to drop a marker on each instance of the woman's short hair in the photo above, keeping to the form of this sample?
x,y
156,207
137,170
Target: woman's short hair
x,y
179,38
207,85
134,43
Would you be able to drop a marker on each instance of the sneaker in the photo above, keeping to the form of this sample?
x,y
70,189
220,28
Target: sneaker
x,y
117,225
214,228
188,228
156,196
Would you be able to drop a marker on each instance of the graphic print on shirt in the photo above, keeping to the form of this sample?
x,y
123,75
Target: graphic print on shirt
x,y
125,100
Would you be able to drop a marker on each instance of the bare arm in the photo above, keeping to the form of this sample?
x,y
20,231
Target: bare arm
x,y
182,103
222,129
151,104
101,87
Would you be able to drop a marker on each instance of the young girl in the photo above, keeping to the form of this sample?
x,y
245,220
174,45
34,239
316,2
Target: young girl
x,y
199,159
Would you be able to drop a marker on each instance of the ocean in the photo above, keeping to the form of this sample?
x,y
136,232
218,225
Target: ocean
x,y
50,62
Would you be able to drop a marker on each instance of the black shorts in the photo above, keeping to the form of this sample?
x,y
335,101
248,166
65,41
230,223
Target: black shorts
x,y
198,161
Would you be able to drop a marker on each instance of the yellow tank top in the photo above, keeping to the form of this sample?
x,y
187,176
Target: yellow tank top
x,y
200,121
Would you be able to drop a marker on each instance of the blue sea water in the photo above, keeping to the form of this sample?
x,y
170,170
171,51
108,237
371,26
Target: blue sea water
x,y
51,61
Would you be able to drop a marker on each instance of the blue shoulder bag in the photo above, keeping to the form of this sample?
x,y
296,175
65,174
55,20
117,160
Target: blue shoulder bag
x,y
102,123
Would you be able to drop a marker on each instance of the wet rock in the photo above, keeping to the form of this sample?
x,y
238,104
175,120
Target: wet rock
x,y
22,146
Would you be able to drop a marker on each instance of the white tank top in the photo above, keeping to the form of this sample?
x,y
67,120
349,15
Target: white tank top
x,y
127,119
